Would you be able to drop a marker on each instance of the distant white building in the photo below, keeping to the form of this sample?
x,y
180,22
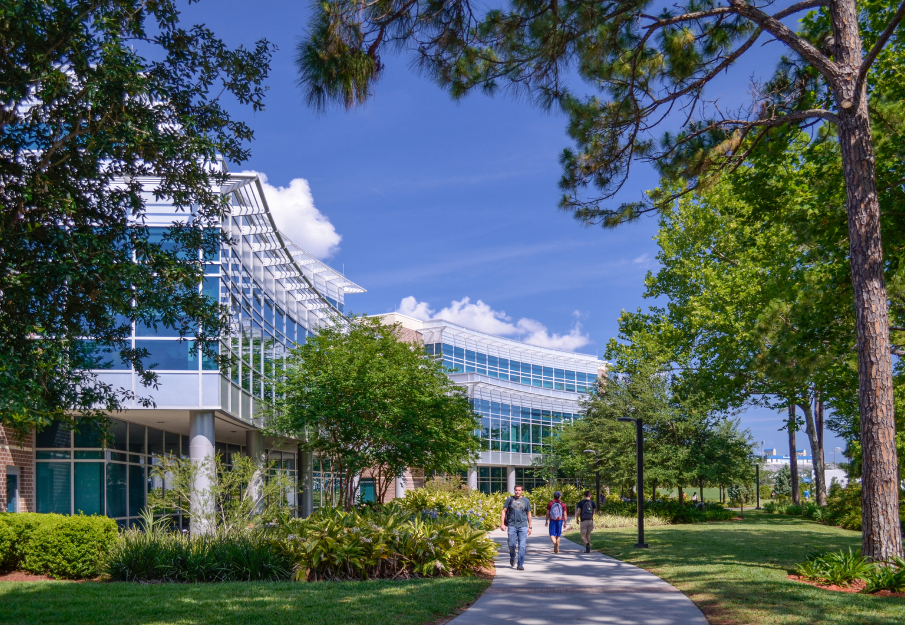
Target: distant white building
x,y
779,460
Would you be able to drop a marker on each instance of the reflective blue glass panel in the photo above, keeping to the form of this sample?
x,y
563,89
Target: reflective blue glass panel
x,y
170,355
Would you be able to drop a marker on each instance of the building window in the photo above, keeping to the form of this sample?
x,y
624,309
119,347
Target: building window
x,y
12,489
76,473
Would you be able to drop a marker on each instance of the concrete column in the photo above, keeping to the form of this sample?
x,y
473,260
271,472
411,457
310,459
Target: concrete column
x,y
473,477
254,449
306,481
201,453
400,486
510,479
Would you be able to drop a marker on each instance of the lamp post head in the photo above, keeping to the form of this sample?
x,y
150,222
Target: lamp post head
x,y
590,451
624,419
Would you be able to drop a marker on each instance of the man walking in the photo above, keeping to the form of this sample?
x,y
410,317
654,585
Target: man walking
x,y
584,510
516,519
556,517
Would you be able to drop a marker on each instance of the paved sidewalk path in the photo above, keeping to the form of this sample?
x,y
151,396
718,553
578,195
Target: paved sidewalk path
x,y
575,587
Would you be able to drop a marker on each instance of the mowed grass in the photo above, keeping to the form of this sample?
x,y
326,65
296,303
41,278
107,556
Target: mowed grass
x,y
258,603
736,571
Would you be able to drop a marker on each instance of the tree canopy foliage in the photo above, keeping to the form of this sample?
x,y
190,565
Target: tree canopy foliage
x,y
107,105
686,441
367,401
648,65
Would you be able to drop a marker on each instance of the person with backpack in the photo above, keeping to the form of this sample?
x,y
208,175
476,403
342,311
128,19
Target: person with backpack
x,y
556,517
516,520
584,510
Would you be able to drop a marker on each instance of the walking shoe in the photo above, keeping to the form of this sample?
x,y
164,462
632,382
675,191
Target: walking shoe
x,y
511,560
587,548
521,568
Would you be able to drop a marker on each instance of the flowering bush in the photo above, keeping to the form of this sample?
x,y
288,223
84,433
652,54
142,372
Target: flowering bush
x,y
368,544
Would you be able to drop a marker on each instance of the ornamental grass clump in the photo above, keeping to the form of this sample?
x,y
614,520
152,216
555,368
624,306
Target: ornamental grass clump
x,y
336,545
158,554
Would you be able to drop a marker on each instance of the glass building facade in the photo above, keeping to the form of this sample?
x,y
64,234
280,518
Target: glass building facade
x,y
522,393
276,293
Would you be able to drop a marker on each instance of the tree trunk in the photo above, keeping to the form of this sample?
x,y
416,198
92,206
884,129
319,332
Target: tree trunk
x,y
793,454
819,468
881,530
818,423
681,495
701,489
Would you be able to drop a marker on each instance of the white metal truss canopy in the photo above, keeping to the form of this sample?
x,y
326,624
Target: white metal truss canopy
x,y
298,272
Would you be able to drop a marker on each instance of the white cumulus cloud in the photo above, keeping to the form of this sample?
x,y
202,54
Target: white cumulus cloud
x,y
296,216
481,317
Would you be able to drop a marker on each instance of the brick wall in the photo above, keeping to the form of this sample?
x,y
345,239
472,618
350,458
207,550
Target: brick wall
x,y
18,454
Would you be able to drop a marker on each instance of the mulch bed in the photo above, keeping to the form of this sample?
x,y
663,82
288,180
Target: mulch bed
x,y
21,576
856,587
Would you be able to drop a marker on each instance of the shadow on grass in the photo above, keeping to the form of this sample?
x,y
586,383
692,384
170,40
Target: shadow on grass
x,y
326,603
736,572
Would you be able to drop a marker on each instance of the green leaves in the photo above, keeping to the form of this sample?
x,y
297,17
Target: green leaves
x,y
336,545
108,105
364,399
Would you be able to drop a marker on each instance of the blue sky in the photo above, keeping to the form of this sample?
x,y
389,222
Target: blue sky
x,y
425,202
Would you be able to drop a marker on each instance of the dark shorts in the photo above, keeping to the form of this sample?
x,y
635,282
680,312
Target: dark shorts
x,y
555,528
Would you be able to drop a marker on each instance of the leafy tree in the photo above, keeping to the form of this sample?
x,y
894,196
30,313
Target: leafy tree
x,y
366,400
752,316
685,441
644,67
784,482
107,105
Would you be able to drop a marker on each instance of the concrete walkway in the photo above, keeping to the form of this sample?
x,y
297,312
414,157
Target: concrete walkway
x,y
575,587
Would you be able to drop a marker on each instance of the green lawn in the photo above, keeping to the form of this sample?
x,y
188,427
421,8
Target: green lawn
x,y
259,603
735,571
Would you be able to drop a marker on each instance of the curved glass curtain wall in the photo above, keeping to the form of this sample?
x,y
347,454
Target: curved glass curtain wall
x,y
518,428
471,361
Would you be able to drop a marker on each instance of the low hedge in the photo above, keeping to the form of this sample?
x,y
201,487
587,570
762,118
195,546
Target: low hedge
x,y
63,547
843,508
672,511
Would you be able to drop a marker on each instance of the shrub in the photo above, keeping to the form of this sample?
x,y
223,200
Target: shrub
x,y
889,577
670,510
15,532
843,506
541,495
611,521
336,545
836,567
160,555
473,507
67,547
718,514
443,483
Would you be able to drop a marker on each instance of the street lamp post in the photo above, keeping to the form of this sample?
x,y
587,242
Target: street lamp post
x,y
835,449
639,444
757,476
597,470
